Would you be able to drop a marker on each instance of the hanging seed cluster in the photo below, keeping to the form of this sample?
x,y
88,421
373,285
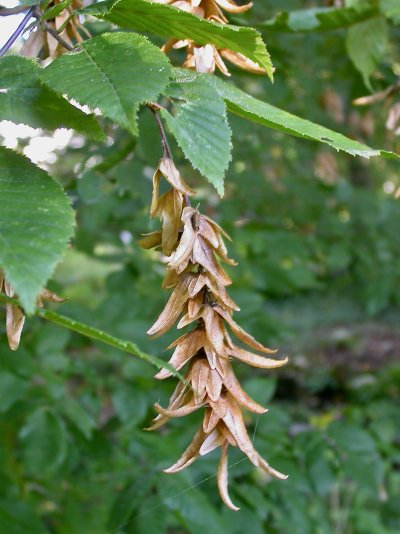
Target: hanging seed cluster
x,y
206,58
195,247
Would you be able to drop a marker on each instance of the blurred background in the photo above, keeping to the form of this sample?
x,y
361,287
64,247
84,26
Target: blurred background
x,y
317,238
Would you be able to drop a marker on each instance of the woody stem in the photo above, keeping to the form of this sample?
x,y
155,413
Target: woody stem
x,y
155,108
53,32
164,141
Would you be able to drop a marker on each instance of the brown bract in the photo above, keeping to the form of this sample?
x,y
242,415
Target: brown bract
x,y
15,317
206,58
196,250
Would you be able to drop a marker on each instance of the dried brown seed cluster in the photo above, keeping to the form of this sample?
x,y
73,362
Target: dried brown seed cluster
x,y
195,246
206,58
15,317
40,42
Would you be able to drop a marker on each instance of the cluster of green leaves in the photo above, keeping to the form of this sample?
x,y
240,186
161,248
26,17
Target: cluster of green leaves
x,y
316,248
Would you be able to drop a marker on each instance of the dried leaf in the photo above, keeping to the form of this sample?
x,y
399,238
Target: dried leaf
x,y
49,296
214,385
172,175
232,384
154,198
241,334
172,310
187,409
15,319
255,360
206,230
242,61
171,279
231,7
151,240
189,455
203,255
214,329
170,207
199,376
197,284
188,238
210,420
222,478
221,293
212,442
189,346
194,305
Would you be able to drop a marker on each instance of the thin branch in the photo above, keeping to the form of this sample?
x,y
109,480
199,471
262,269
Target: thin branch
x,y
53,32
155,108
6,11
97,335
18,32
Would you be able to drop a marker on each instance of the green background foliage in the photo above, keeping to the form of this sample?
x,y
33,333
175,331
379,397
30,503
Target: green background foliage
x,y
316,236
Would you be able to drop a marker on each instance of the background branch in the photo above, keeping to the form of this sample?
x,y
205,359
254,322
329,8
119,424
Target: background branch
x,y
18,32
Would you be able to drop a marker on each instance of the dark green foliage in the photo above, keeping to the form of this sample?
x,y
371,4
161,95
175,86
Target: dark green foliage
x,y
316,235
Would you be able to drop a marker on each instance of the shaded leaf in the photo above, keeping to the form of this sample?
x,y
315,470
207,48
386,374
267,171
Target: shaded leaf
x,y
248,107
44,442
23,99
114,72
19,518
78,416
319,18
12,389
200,125
391,9
36,223
366,44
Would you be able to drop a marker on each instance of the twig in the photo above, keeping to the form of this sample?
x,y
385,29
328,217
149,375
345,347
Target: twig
x,y
97,335
6,11
155,108
53,32
17,33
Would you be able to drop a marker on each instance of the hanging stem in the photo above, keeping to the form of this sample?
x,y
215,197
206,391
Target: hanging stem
x,y
17,33
155,108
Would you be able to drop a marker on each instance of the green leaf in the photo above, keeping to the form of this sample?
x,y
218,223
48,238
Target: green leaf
x,y
319,19
129,404
168,21
78,416
23,99
17,517
114,72
55,10
128,500
391,9
36,223
244,105
366,45
200,125
12,389
44,442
